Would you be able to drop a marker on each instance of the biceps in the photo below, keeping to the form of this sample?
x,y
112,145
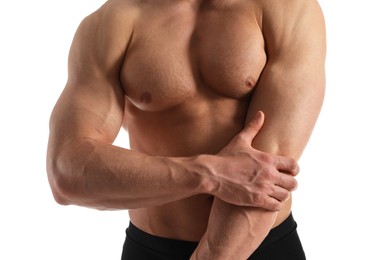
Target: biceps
x,y
291,100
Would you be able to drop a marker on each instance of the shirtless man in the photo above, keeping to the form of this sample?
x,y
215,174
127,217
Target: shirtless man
x,y
208,176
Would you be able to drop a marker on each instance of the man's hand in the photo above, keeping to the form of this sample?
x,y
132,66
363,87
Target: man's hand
x,y
248,177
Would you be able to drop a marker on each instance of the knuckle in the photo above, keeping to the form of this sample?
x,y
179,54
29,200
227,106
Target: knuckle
x,y
267,174
240,138
258,200
266,158
264,188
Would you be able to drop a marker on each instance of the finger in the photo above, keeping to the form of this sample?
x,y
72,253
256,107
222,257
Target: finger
x,y
287,165
286,182
266,201
272,204
252,128
280,194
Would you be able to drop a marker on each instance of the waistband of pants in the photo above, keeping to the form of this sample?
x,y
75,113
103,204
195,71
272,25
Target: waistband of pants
x,y
162,244
284,229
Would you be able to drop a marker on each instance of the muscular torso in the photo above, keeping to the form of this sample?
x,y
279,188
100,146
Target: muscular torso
x,y
188,75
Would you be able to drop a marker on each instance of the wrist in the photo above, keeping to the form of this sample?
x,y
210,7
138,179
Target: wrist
x,y
195,173
207,251
203,170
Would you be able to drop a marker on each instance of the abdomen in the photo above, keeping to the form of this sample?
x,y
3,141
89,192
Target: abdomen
x,y
185,219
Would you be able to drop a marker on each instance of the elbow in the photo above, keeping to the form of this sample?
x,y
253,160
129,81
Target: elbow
x,y
60,196
59,187
59,178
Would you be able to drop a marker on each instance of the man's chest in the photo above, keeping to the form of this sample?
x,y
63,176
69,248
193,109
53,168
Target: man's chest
x,y
180,54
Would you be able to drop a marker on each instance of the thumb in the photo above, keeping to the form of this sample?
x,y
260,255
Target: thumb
x,y
253,127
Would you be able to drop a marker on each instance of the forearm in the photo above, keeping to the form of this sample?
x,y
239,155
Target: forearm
x,y
93,174
234,232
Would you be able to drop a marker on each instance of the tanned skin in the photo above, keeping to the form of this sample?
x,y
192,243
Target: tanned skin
x,y
187,80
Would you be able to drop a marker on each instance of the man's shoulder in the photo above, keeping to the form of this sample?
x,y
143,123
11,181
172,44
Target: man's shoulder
x,y
289,9
105,31
120,6
112,21
114,12
276,3
288,17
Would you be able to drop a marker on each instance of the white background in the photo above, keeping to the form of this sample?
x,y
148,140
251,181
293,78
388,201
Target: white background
x,y
341,205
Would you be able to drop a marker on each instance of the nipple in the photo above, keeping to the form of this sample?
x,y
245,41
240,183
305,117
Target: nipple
x,y
249,83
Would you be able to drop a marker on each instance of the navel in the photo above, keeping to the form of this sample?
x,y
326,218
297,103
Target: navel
x,y
146,97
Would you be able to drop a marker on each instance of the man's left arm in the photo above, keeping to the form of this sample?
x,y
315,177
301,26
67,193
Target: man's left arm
x,y
290,92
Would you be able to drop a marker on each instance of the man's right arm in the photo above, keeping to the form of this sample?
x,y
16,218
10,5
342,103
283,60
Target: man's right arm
x,y
85,169
83,166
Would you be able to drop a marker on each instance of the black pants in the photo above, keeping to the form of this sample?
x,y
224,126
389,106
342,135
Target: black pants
x,y
282,243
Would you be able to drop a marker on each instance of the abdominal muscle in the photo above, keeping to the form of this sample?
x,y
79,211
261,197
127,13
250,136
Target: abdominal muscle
x,y
208,127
